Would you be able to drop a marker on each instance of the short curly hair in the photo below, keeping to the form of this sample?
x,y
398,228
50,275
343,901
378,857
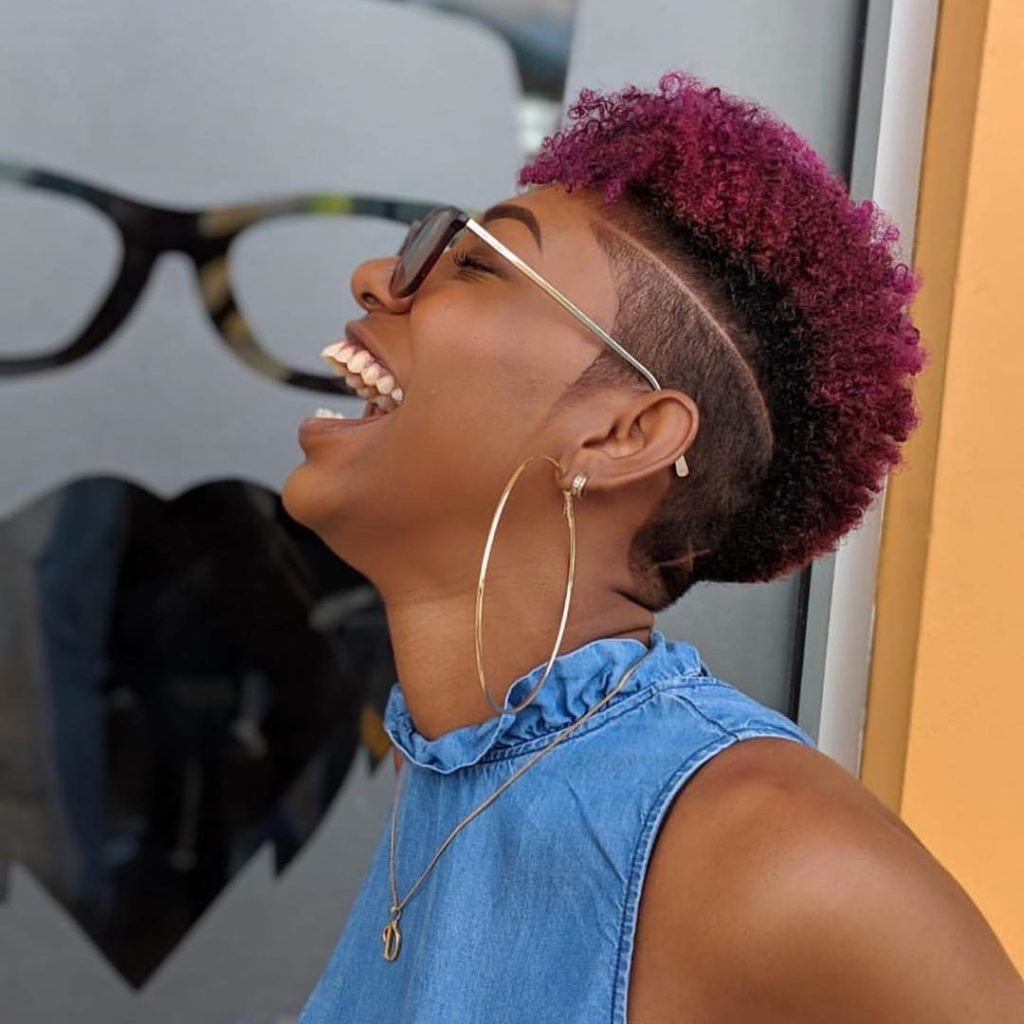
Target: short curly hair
x,y
767,294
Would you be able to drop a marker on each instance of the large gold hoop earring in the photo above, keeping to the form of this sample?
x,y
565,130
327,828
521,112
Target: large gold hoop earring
x,y
571,518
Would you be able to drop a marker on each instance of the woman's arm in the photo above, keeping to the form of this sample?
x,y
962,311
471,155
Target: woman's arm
x,y
801,898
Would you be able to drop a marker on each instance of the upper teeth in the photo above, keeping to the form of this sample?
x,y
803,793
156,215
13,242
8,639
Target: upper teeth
x,y
364,374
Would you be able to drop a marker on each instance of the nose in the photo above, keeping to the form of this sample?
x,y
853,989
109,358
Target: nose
x,y
370,287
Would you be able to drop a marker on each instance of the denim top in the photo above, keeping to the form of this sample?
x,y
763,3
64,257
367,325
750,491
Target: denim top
x,y
530,914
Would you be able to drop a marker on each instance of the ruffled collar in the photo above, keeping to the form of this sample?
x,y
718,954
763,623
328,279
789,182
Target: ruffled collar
x,y
578,680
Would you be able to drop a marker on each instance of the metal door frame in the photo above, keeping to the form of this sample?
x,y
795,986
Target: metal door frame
x,y
899,46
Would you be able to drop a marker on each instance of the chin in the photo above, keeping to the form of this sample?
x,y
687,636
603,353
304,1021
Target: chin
x,y
304,500
308,496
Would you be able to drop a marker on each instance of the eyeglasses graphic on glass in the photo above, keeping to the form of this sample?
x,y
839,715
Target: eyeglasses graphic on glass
x,y
75,259
429,237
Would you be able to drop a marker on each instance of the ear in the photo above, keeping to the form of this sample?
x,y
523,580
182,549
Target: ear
x,y
634,440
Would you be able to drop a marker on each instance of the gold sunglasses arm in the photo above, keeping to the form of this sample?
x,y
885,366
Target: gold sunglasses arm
x,y
482,233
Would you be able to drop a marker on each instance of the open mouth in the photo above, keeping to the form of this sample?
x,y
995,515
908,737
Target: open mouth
x,y
367,375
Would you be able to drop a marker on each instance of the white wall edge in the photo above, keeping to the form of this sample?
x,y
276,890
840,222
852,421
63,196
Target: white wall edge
x,y
907,71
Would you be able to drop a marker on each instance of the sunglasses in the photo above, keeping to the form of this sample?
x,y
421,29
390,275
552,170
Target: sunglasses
x,y
429,237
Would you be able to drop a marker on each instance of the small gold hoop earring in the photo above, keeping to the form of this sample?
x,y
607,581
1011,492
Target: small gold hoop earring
x,y
571,518
579,481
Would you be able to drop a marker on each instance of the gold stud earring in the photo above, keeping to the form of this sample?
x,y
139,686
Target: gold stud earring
x,y
579,481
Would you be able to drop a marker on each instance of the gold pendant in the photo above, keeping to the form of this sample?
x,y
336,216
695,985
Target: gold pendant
x,y
392,938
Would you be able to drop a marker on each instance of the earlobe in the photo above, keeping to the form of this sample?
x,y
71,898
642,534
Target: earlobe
x,y
680,464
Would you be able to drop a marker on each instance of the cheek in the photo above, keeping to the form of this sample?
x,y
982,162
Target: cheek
x,y
486,366
472,354
473,403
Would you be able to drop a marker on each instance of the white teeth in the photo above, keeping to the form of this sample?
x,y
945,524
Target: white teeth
x,y
358,361
337,355
323,414
362,373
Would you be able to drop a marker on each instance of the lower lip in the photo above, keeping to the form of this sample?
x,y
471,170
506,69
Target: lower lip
x,y
317,426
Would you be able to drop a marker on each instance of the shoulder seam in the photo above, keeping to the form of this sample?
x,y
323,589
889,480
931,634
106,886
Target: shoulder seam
x,y
683,699
787,728
642,848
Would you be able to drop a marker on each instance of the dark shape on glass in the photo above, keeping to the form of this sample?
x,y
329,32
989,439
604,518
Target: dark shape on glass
x,y
207,673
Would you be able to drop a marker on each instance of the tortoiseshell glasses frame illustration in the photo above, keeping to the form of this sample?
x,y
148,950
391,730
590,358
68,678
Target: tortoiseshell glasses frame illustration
x,y
205,236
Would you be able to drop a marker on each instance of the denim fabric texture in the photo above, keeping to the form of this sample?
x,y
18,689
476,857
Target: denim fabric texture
x,y
529,917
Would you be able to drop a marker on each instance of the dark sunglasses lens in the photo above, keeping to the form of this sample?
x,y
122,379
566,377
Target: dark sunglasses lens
x,y
424,243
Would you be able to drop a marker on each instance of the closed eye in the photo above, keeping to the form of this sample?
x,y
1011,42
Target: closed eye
x,y
468,265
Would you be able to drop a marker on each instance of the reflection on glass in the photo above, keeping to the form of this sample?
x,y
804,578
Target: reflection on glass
x,y
183,682
540,34
288,275
50,237
123,237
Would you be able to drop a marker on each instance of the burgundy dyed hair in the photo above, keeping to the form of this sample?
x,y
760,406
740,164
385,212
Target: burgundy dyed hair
x,y
809,287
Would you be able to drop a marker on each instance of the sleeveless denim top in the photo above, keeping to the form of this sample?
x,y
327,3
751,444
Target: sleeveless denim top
x,y
529,916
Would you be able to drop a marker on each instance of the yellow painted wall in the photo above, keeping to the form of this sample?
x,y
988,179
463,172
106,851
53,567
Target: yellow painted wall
x,y
944,740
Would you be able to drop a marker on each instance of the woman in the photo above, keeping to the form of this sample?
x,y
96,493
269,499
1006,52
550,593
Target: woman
x,y
683,355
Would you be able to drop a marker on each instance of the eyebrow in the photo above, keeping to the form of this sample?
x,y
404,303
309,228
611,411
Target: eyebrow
x,y
519,213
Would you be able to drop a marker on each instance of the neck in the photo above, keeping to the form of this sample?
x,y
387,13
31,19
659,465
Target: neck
x,y
432,636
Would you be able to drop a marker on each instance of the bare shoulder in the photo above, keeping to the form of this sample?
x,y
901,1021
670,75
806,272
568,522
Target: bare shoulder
x,y
781,889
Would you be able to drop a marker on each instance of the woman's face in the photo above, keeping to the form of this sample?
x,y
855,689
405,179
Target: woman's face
x,y
482,355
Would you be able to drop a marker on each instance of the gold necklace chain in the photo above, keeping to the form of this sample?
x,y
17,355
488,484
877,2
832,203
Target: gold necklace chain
x,y
391,936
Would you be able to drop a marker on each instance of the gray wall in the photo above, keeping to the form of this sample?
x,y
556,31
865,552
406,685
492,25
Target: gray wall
x,y
199,103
